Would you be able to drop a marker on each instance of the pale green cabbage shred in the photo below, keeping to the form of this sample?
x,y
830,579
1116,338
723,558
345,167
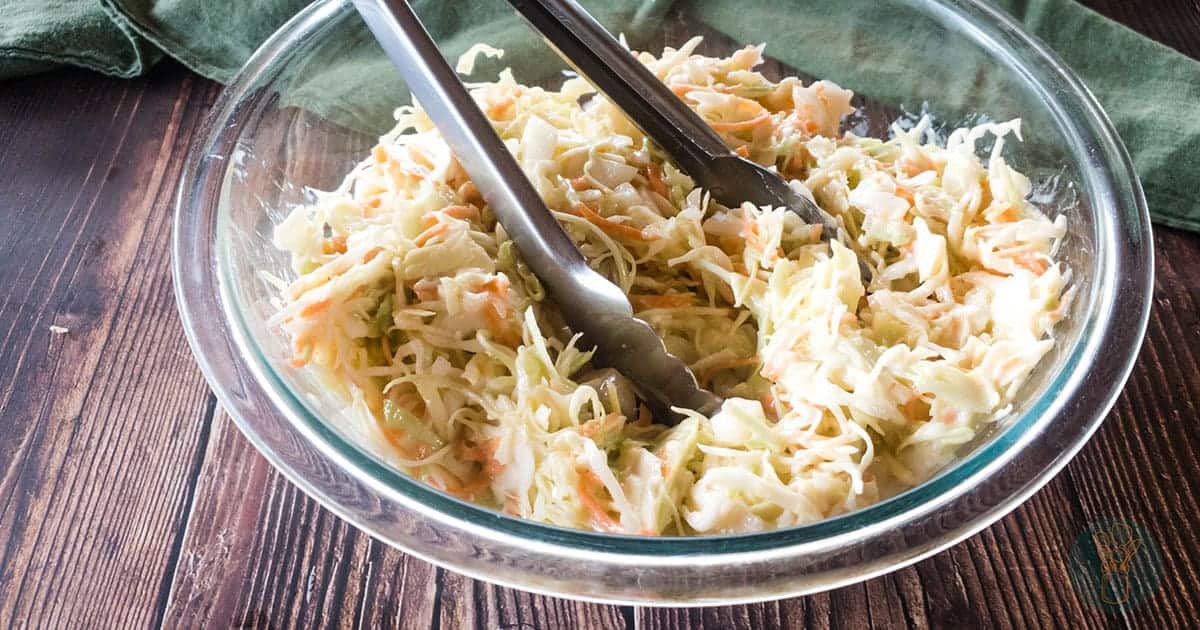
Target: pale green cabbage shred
x,y
411,303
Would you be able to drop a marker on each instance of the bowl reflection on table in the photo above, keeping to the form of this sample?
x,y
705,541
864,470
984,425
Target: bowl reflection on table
x,y
310,104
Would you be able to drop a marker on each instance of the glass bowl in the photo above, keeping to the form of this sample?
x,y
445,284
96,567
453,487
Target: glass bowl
x,y
310,103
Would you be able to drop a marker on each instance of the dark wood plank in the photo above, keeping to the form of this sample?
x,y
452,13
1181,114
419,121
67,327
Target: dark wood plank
x,y
97,451
258,552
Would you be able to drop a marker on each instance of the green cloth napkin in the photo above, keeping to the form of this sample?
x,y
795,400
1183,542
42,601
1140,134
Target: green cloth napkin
x,y
1151,92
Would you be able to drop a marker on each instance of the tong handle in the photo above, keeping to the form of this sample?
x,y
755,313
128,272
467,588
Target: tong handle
x,y
608,65
542,242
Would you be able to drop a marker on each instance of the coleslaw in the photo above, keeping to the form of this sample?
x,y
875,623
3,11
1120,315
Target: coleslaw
x,y
411,303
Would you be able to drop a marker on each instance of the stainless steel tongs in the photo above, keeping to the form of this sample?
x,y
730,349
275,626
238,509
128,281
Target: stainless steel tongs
x,y
589,303
680,132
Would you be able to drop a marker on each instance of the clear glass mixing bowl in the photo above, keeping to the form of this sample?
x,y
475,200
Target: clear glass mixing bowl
x,y
300,114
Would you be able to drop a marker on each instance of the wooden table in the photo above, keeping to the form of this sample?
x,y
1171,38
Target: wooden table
x,y
129,499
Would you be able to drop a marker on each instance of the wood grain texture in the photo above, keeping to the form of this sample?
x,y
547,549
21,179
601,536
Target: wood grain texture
x,y
127,499
98,452
258,552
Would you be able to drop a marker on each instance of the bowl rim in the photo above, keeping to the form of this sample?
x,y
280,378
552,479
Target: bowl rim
x,y
237,374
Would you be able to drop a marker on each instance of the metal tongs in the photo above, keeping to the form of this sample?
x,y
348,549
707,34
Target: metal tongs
x,y
589,303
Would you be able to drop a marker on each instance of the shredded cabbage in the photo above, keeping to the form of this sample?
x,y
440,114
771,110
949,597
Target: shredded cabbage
x,y
411,301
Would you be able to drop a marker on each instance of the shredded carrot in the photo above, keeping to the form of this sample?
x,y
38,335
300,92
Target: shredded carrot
x,y
655,175
314,308
743,151
916,167
915,408
742,125
755,241
436,230
400,176
301,351
461,211
497,312
592,428
492,467
498,286
500,108
674,300
336,244
1009,215
580,183
793,165
610,227
589,483
750,231
485,454
1031,261
682,89
323,274
326,272
380,154
399,440
501,331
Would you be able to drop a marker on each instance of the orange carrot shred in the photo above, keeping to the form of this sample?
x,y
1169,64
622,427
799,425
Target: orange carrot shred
x,y
438,229
610,227
588,484
314,308
655,175
742,125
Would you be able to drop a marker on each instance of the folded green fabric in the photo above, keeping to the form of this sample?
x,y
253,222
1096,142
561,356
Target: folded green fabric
x,y
1151,92
36,35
